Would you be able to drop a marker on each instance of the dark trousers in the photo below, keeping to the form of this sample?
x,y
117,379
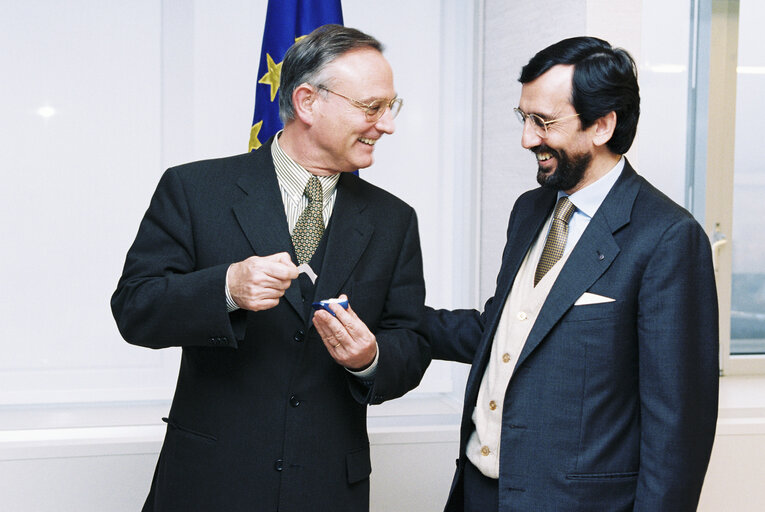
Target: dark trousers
x,y
481,492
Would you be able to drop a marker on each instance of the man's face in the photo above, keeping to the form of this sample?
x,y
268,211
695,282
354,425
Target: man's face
x,y
343,136
564,154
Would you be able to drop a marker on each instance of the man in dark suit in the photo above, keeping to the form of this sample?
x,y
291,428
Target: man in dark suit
x,y
594,375
269,412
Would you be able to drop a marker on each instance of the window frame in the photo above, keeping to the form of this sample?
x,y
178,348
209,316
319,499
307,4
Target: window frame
x,y
710,167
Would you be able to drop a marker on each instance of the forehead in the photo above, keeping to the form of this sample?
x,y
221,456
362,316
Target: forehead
x,y
363,71
549,93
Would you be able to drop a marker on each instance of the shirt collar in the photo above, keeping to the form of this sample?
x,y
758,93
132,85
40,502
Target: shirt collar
x,y
589,199
293,177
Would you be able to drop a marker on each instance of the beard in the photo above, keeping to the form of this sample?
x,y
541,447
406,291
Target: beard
x,y
567,174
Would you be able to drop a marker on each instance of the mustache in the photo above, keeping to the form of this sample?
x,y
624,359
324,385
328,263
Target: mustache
x,y
544,148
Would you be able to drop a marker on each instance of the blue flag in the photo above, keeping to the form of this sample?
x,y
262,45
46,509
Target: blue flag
x,y
286,22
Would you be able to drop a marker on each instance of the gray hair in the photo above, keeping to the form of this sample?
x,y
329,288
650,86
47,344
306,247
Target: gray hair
x,y
305,60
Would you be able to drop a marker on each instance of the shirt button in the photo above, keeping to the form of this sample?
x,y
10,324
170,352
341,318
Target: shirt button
x,y
506,358
279,465
522,316
492,405
485,451
294,401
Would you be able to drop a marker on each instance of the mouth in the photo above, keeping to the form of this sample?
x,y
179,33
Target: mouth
x,y
367,141
543,156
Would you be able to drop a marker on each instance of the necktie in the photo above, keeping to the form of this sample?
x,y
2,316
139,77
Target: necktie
x,y
310,225
556,238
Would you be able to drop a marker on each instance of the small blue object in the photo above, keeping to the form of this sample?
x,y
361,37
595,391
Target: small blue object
x,y
324,304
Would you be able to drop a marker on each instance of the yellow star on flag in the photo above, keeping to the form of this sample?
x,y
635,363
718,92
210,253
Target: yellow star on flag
x,y
254,131
273,76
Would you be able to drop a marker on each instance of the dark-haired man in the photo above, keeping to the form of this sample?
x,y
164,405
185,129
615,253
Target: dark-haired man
x,y
594,366
269,413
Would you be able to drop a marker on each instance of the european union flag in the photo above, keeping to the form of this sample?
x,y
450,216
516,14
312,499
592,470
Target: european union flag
x,y
286,22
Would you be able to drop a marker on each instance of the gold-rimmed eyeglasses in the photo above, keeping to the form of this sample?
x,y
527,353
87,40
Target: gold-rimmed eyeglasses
x,y
539,124
375,110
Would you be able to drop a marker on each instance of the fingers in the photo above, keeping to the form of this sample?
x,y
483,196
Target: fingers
x,y
347,339
258,282
279,266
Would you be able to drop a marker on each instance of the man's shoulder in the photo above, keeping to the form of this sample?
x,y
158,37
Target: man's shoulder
x,y
652,210
656,204
231,165
373,194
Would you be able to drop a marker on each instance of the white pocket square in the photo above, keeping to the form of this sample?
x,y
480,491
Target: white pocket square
x,y
592,298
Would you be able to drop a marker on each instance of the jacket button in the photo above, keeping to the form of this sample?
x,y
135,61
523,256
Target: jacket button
x,y
294,401
279,465
299,335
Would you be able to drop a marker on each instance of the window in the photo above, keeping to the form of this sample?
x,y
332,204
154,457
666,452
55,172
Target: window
x,y
729,194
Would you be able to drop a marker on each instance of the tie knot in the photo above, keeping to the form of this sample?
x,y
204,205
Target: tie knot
x,y
564,209
313,189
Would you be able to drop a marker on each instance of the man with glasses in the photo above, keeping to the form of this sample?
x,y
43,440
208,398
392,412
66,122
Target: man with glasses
x,y
594,366
269,412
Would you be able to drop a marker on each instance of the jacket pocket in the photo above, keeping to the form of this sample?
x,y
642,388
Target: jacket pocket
x,y
602,477
359,465
189,432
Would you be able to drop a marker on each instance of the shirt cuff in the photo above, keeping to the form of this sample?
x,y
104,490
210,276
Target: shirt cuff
x,y
368,373
230,304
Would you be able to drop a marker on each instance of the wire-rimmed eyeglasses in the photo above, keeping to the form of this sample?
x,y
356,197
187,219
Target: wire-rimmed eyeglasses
x,y
375,110
539,124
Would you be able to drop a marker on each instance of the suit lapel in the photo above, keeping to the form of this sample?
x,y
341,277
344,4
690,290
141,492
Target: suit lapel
x,y
261,214
591,257
348,236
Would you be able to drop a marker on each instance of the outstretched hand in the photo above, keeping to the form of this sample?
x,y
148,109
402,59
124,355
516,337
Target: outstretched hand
x,y
348,339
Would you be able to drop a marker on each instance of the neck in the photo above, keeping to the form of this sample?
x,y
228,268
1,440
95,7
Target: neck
x,y
600,166
295,143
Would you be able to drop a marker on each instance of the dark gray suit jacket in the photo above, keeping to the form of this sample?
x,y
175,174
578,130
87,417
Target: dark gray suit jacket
x,y
262,416
612,406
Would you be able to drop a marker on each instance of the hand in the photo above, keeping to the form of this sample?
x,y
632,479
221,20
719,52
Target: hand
x,y
258,282
346,337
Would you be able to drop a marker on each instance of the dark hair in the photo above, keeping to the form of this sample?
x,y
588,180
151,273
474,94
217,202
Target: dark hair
x,y
306,59
605,80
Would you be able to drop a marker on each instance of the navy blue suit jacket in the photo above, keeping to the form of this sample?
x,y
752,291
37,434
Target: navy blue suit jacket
x,y
262,416
612,406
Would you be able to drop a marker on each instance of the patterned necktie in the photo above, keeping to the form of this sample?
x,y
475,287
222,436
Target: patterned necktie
x,y
556,238
310,225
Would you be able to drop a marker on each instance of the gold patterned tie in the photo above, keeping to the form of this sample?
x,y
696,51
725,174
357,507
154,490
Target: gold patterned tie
x,y
556,238
310,225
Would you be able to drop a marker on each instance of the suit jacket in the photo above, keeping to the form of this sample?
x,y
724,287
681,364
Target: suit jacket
x,y
262,416
613,405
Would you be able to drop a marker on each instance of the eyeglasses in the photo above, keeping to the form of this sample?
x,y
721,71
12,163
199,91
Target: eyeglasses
x,y
375,110
539,124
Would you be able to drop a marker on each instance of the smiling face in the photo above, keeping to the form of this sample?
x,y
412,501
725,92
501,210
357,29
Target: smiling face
x,y
342,138
565,155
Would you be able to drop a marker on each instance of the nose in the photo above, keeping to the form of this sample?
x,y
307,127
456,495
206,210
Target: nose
x,y
529,137
386,124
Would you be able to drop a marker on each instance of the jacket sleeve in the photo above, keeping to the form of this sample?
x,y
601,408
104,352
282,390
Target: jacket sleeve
x,y
678,369
404,354
163,299
455,335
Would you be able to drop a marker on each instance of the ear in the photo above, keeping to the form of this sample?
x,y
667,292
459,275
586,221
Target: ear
x,y
604,129
303,100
